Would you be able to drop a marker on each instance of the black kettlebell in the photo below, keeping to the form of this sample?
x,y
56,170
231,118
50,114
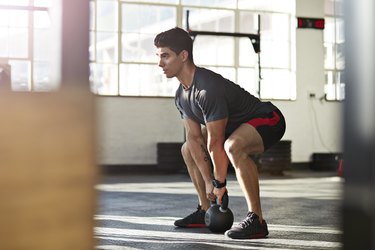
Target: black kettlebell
x,y
219,218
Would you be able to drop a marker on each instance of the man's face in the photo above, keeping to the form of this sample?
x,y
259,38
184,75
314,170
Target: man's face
x,y
169,61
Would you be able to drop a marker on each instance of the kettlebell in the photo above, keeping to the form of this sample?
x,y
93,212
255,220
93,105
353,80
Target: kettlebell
x,y
219,218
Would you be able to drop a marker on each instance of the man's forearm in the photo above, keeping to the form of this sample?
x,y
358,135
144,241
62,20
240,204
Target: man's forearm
x,y
201,157
219,160
215,145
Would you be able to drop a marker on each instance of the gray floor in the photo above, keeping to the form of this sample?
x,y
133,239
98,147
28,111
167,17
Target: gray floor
x,y
302,209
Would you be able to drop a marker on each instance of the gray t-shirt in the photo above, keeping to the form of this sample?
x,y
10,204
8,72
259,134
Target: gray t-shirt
x,y
212,97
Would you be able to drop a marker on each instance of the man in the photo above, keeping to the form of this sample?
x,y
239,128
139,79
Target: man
x,y
223,123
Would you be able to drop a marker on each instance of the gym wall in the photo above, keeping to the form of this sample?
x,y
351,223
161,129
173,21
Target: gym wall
x,y
130,128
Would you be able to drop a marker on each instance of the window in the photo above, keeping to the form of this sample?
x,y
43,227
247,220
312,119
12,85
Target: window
x,y
140,23
122,53
25,45
334,62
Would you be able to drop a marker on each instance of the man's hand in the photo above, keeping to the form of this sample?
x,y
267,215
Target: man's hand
x,y
219,193
210,191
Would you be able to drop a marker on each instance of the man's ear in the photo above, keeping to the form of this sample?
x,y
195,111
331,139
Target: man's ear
x,y
185,55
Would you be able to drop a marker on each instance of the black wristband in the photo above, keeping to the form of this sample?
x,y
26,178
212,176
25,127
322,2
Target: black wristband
x,y
218,184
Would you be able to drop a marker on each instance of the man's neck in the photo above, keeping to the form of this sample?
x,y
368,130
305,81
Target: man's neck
x,y
187,75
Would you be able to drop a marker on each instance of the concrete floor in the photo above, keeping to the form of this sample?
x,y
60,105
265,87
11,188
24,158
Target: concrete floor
x,y
302,209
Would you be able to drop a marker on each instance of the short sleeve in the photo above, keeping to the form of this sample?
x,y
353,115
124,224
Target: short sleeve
x,y
213,104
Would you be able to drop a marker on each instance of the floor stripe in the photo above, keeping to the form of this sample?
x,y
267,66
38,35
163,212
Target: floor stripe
x,y
314,188
168,221
173,238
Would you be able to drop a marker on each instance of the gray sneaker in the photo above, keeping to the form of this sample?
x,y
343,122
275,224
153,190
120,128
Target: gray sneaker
x,y
249,228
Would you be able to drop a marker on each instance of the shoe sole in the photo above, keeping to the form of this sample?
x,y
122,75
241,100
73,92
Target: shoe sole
x,y
251,237
192,226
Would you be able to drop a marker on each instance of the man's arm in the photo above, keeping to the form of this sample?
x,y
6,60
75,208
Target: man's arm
x,y
215,145
199,153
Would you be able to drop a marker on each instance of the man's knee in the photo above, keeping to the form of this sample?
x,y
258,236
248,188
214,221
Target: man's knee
x,y
184,150
237,150
232,148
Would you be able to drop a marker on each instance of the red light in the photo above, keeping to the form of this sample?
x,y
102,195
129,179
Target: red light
x,y
310,23
300,23
319,24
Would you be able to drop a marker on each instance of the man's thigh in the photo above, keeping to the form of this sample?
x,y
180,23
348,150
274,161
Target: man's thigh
x,y
247,138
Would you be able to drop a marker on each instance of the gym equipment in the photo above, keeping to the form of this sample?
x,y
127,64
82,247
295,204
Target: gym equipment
x,y
325,161
254,39
219,218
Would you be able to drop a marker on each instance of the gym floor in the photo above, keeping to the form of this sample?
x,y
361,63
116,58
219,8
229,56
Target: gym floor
x,y
302,210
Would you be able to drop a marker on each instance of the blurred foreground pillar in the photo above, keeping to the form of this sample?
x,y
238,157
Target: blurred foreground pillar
x,y
359,167
47,151
47,171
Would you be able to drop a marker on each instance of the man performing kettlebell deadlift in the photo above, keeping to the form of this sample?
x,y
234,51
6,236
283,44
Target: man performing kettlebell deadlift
x,y
235,123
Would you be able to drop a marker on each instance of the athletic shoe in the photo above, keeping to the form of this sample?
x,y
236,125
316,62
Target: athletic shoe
x,y
193,220
249,228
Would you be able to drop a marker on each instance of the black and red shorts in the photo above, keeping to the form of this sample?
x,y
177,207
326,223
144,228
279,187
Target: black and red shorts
x,y
270,126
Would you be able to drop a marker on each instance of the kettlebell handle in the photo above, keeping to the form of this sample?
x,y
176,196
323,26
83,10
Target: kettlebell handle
x,y
224,203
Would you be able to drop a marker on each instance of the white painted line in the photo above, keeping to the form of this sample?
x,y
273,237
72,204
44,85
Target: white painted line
x,y
168,221
309,188
148,237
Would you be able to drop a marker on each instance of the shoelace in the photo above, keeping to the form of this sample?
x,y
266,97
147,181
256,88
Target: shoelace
x,y
196,212
246,222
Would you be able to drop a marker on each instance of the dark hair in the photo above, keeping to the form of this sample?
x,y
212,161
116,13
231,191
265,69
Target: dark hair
x,y
175,39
